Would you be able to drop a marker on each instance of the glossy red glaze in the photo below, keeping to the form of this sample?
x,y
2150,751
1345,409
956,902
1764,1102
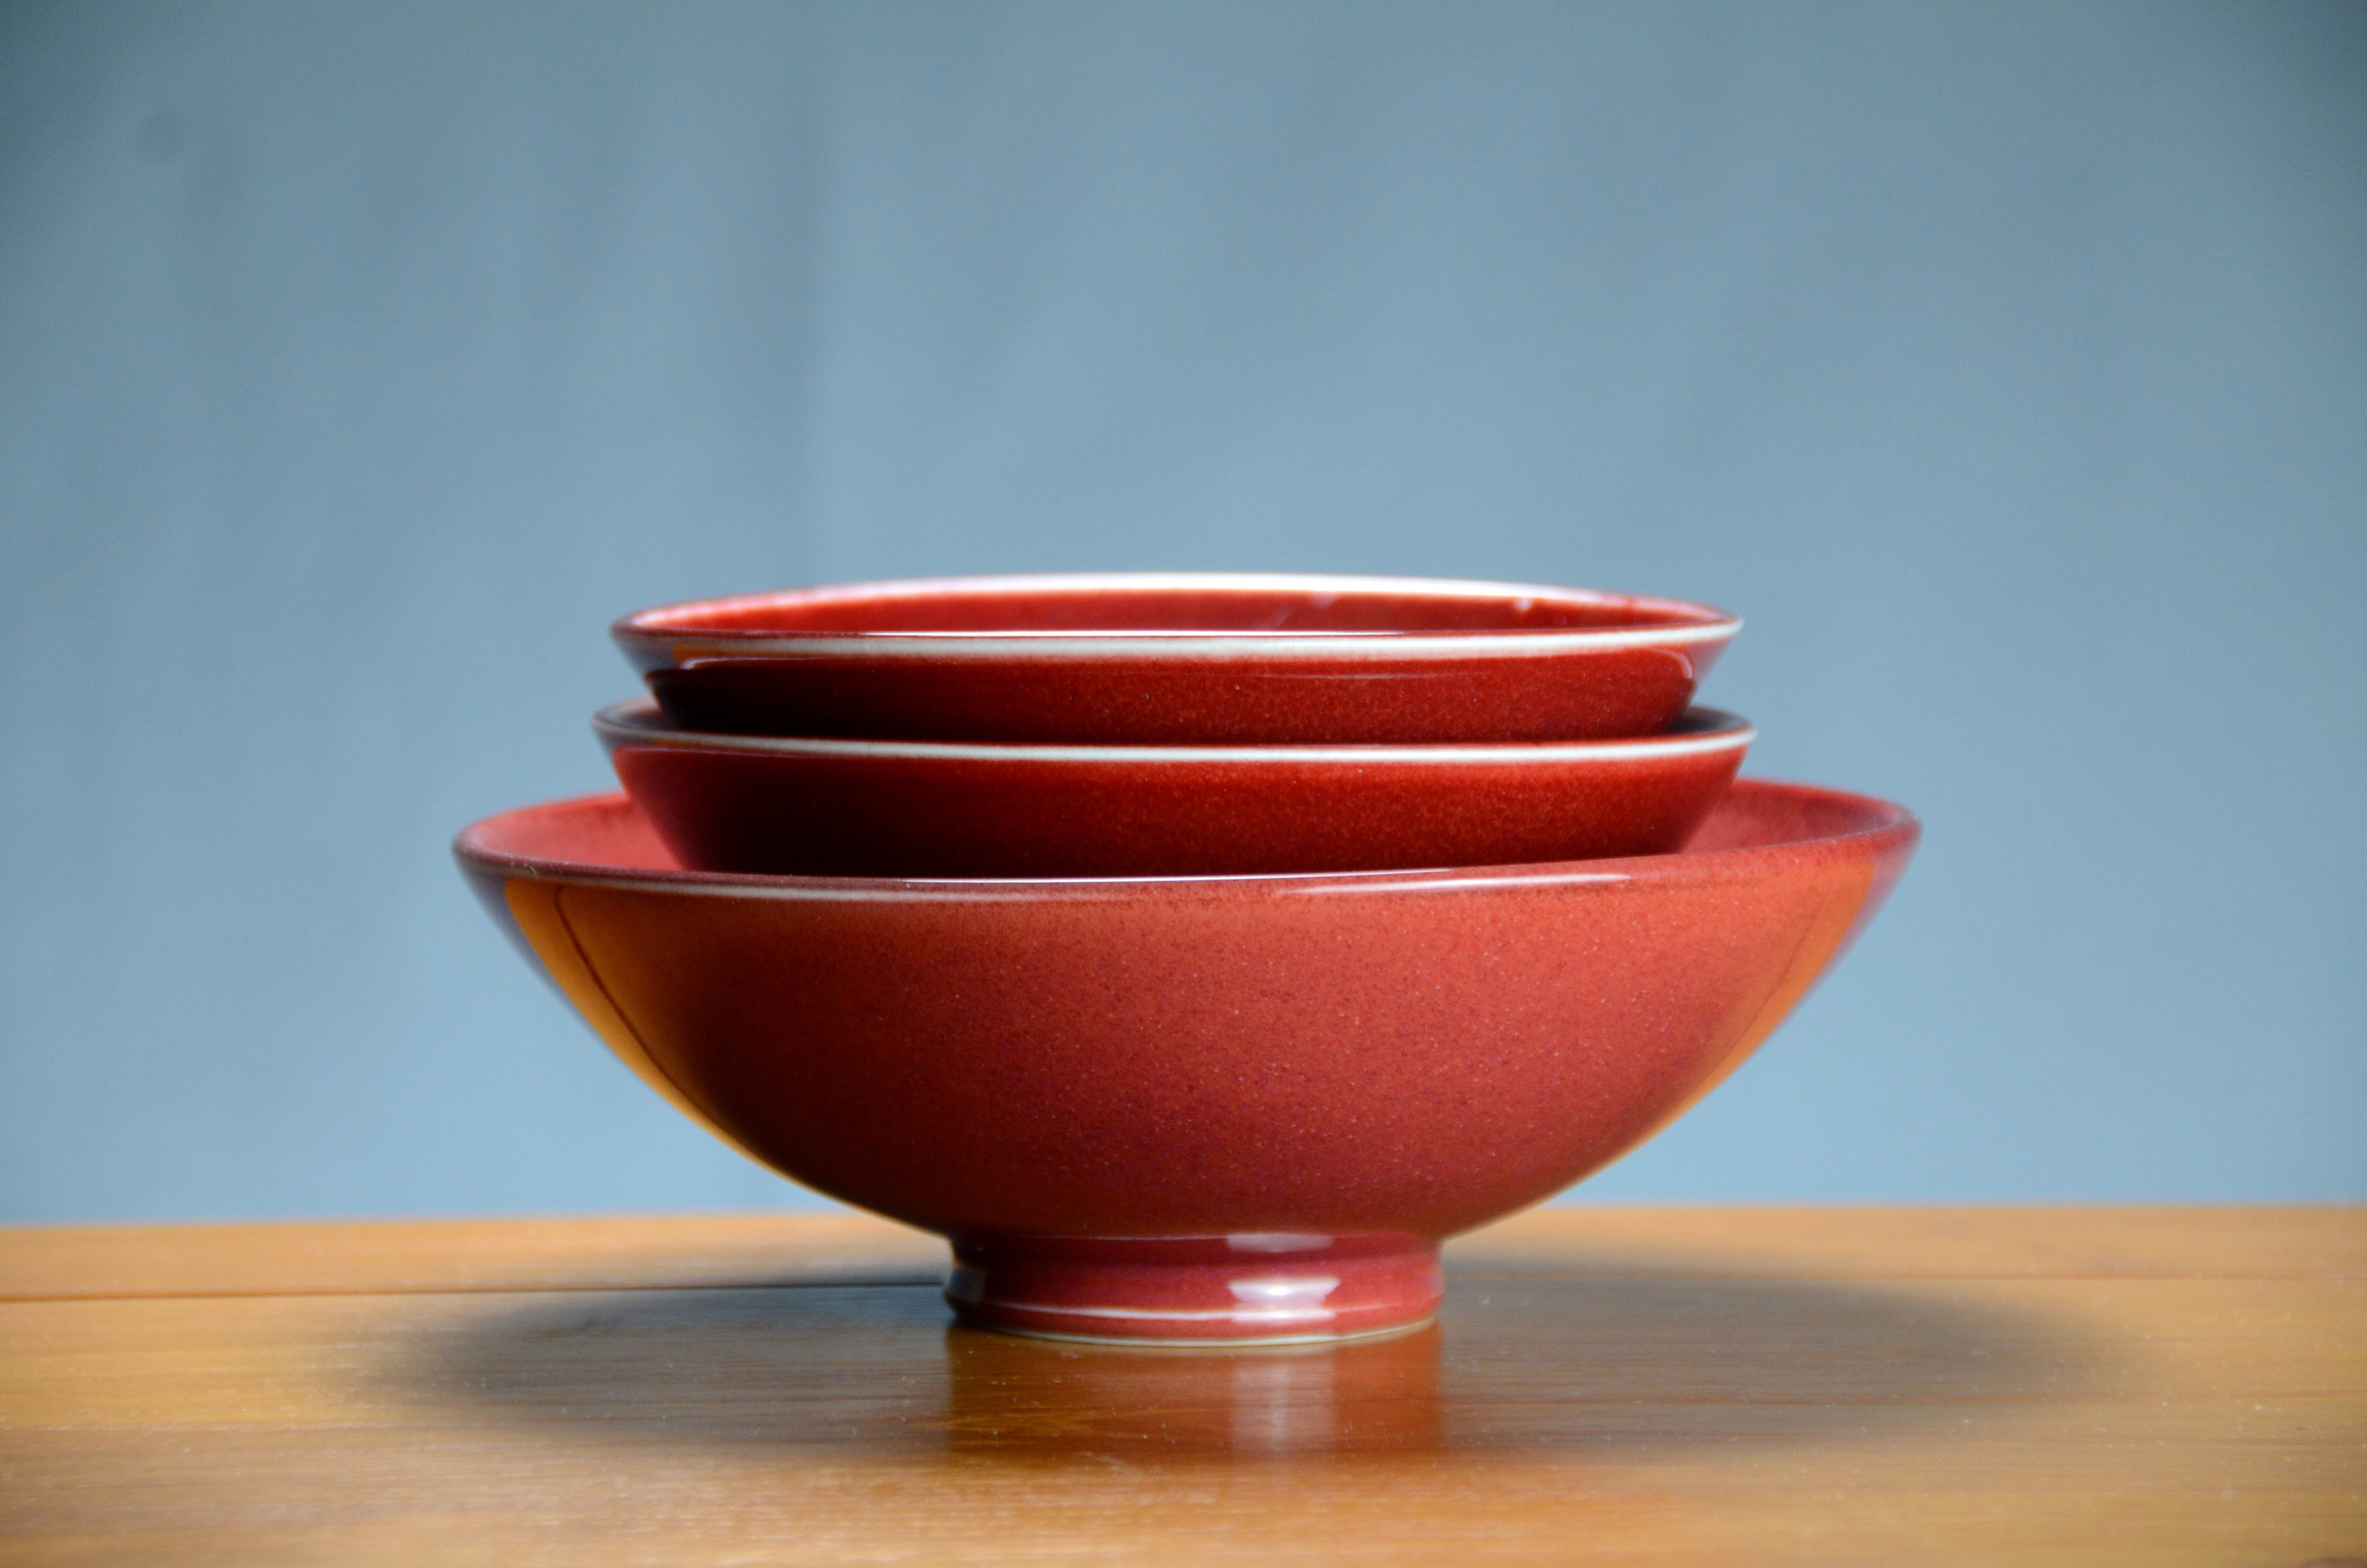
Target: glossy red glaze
x,y
923,808
1059,1073
1171,660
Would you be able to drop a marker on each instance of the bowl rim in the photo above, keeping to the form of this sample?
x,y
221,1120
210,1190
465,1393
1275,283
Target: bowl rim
x,y
1887,824
638,722
669,630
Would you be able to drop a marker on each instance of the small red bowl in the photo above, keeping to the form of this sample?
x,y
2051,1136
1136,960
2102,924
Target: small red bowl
x,y
950,809
1177,660
1193,1109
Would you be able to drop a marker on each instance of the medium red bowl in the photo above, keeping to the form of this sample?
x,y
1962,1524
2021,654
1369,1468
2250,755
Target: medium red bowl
x,y
937,809
1233,1109
1174,660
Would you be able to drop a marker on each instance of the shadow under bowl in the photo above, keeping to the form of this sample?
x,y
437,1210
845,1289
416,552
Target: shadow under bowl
x,y
1238,1109
938,808
1150,659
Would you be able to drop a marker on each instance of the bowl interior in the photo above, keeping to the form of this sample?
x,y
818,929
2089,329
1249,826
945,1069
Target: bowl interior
x,y
1213,605
609,833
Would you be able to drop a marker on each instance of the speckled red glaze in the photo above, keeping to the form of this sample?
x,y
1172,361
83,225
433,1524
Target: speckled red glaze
x,y
1179,660
1165,1109
913,808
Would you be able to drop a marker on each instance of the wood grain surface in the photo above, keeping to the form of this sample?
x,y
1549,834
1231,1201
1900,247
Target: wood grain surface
x,y
1898,1386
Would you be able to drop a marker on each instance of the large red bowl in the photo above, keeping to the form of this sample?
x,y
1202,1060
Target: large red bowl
x,y
1179,660
1193,1109
941,808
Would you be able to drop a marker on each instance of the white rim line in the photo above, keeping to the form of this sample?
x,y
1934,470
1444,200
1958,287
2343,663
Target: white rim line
x,y
633,723
1088,582
1010,889
695,648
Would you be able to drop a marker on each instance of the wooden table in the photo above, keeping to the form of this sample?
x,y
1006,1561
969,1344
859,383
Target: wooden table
x,y
1728,1387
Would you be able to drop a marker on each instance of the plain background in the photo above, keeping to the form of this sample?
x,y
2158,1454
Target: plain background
x,y
2005,367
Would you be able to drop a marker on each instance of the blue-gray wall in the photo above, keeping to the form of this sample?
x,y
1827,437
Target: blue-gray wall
x,y
2005,365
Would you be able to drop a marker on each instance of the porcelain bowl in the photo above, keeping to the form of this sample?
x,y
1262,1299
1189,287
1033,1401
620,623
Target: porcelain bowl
x,y
1196,1108
953,809
1179,660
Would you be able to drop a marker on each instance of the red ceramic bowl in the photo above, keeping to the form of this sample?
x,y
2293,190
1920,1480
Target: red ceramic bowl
x,y
938,808
1170,660
1240,1108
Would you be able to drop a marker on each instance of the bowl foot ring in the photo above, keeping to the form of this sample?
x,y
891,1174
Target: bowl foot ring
x,y
1254,1288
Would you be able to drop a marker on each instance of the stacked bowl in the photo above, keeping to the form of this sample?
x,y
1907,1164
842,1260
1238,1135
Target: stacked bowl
x,y
1195,952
